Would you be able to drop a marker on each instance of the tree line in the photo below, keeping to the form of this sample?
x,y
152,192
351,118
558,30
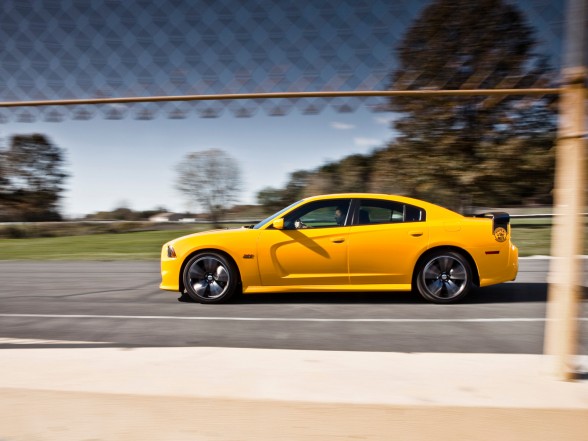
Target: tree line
x,y
456,151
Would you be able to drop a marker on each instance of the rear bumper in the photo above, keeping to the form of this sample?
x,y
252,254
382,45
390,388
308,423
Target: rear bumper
x,y
498,268
513,263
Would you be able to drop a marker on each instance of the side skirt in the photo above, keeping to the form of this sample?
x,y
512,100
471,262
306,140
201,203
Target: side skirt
x,y
326,288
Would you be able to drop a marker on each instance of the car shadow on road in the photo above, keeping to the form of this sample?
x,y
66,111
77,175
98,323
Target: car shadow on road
x,y
509,293
330,297
503,293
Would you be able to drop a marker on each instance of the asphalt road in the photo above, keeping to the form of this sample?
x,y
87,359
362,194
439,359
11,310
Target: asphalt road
x,y
118,304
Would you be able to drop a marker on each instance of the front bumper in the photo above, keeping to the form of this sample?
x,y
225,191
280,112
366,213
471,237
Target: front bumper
x,y
170,272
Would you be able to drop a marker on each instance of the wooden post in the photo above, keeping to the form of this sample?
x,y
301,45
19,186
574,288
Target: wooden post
x,y
565,273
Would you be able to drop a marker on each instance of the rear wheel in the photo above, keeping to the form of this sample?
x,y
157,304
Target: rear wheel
x,y
444,277
210,278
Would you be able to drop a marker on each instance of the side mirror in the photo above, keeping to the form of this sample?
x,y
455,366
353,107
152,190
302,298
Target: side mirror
x,y
279,224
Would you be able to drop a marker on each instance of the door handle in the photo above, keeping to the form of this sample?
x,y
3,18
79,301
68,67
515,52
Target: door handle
x,y
338,240
416,233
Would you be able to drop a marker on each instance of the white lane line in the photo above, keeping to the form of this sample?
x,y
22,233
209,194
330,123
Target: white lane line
x,y
35,341
287,319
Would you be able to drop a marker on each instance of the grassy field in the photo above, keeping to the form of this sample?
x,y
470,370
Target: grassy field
x,y
532,239
143,245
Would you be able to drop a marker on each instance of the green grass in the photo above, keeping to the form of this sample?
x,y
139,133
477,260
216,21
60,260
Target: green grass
x,y
532,241
533,236
146,245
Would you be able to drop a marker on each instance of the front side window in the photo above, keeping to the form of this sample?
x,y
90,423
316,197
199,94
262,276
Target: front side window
x,y
373,211
273,216
319,214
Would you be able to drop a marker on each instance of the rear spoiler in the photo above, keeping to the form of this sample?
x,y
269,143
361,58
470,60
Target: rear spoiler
x,y
499,219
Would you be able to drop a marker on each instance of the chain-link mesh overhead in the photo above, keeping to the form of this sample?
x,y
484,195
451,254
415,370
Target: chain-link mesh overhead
x,y
77,49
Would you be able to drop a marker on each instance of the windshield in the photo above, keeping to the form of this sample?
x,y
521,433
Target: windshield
x,y
273,216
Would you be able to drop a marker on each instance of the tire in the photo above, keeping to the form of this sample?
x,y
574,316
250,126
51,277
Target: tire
x,y
444,277
210,278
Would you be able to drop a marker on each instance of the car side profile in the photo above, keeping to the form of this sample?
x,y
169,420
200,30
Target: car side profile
x,y
346,242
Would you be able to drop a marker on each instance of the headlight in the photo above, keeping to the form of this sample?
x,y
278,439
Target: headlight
x,y
171,253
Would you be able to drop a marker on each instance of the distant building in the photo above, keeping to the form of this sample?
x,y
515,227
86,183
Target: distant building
x,y
170,217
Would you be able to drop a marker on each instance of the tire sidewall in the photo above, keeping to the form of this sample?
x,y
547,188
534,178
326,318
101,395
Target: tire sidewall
x,y
420,284
233,278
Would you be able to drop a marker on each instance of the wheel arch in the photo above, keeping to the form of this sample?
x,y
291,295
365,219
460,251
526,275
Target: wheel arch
x,y
423,257
201,251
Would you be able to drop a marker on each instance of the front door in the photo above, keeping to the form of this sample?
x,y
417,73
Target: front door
x,y
312,249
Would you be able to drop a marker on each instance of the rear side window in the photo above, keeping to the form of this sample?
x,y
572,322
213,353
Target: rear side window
x,y
372,211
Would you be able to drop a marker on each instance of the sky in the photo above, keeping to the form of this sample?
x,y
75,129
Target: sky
x,y
133,163
107,48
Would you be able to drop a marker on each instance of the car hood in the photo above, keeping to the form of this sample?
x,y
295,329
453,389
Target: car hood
x,y
222,231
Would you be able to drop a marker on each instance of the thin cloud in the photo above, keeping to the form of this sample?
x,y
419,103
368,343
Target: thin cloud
x,y
367,142
342,126
383,120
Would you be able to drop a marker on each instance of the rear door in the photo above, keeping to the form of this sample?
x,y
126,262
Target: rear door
x,y
385,240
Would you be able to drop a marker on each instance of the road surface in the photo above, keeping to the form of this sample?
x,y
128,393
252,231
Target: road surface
x,y
118,304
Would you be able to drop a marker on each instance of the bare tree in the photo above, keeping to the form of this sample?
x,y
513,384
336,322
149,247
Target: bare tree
x,y
211,179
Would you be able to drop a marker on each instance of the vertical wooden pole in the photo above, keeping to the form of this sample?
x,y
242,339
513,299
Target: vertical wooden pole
x,y
565,274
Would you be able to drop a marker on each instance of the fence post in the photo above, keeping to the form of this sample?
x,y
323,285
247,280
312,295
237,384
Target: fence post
x,y
565,272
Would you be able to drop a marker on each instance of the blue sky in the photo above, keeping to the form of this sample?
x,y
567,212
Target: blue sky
x,y
132,162
89,48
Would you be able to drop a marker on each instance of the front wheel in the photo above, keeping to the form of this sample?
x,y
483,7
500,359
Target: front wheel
x,y
210,278
444,277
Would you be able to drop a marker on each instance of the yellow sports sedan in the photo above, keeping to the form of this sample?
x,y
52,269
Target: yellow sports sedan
x,y
346,242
